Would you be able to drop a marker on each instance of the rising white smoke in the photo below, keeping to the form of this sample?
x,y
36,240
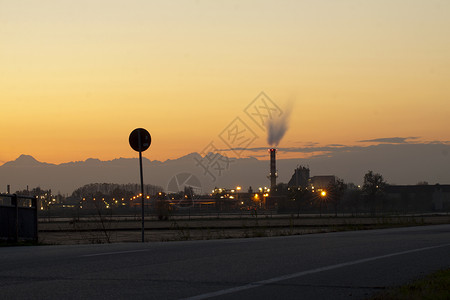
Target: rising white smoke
x,y
277,126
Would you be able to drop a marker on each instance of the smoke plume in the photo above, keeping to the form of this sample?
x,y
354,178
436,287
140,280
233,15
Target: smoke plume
x,y
277,126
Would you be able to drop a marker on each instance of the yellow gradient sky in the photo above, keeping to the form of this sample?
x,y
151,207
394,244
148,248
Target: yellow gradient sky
x,y
76,77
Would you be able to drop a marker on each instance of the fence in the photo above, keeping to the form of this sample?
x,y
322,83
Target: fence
x,y
18,218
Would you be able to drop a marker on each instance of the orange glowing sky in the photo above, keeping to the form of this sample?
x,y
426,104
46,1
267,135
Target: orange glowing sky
x,y
76,77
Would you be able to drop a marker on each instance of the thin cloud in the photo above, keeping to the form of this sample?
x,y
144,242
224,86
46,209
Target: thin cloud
x,y
439,142
337,148
391,140
259,155
328,148
305,144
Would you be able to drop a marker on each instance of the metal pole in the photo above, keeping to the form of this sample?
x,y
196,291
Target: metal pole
x,y
142,193
34,203
15,202
142,181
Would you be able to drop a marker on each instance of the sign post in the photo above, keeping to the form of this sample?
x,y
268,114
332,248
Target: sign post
x,y
140,140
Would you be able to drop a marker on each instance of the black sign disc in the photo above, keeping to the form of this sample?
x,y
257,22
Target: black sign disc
x,y
140,139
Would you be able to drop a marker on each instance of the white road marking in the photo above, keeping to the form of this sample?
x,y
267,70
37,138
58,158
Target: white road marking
x,y
114,253
299,274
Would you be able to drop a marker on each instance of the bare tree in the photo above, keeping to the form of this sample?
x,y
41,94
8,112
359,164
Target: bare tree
x,y
374,186
336,193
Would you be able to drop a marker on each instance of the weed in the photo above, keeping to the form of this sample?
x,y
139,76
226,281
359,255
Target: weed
x,y
183,233
434,286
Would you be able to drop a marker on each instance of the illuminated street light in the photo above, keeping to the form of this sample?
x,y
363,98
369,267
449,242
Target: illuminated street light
x,y
323,194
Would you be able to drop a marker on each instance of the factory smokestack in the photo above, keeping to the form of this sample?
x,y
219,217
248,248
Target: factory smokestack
x,y
273,168
276,128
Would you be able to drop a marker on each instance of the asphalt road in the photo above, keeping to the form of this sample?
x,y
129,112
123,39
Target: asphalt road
x,y
343,265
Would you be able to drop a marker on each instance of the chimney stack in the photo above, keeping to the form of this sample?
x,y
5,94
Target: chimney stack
x,y
273,168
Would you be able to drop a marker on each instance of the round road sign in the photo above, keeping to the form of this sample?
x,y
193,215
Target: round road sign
x,y
140,139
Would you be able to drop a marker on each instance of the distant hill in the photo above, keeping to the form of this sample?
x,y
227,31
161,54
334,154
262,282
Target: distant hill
x,y
66,177
398,163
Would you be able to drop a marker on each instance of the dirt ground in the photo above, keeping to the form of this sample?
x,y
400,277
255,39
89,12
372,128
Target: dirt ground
x,y
114,230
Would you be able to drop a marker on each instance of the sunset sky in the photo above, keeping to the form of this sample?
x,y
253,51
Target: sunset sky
x,y
76,77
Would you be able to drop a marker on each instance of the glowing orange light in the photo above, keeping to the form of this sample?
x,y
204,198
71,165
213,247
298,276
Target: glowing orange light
x,y
323,193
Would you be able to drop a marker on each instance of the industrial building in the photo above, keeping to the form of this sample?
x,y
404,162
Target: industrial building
x,y
301,179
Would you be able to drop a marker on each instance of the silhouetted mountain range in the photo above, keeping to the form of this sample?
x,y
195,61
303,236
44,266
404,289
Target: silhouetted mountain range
x,y
398,163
